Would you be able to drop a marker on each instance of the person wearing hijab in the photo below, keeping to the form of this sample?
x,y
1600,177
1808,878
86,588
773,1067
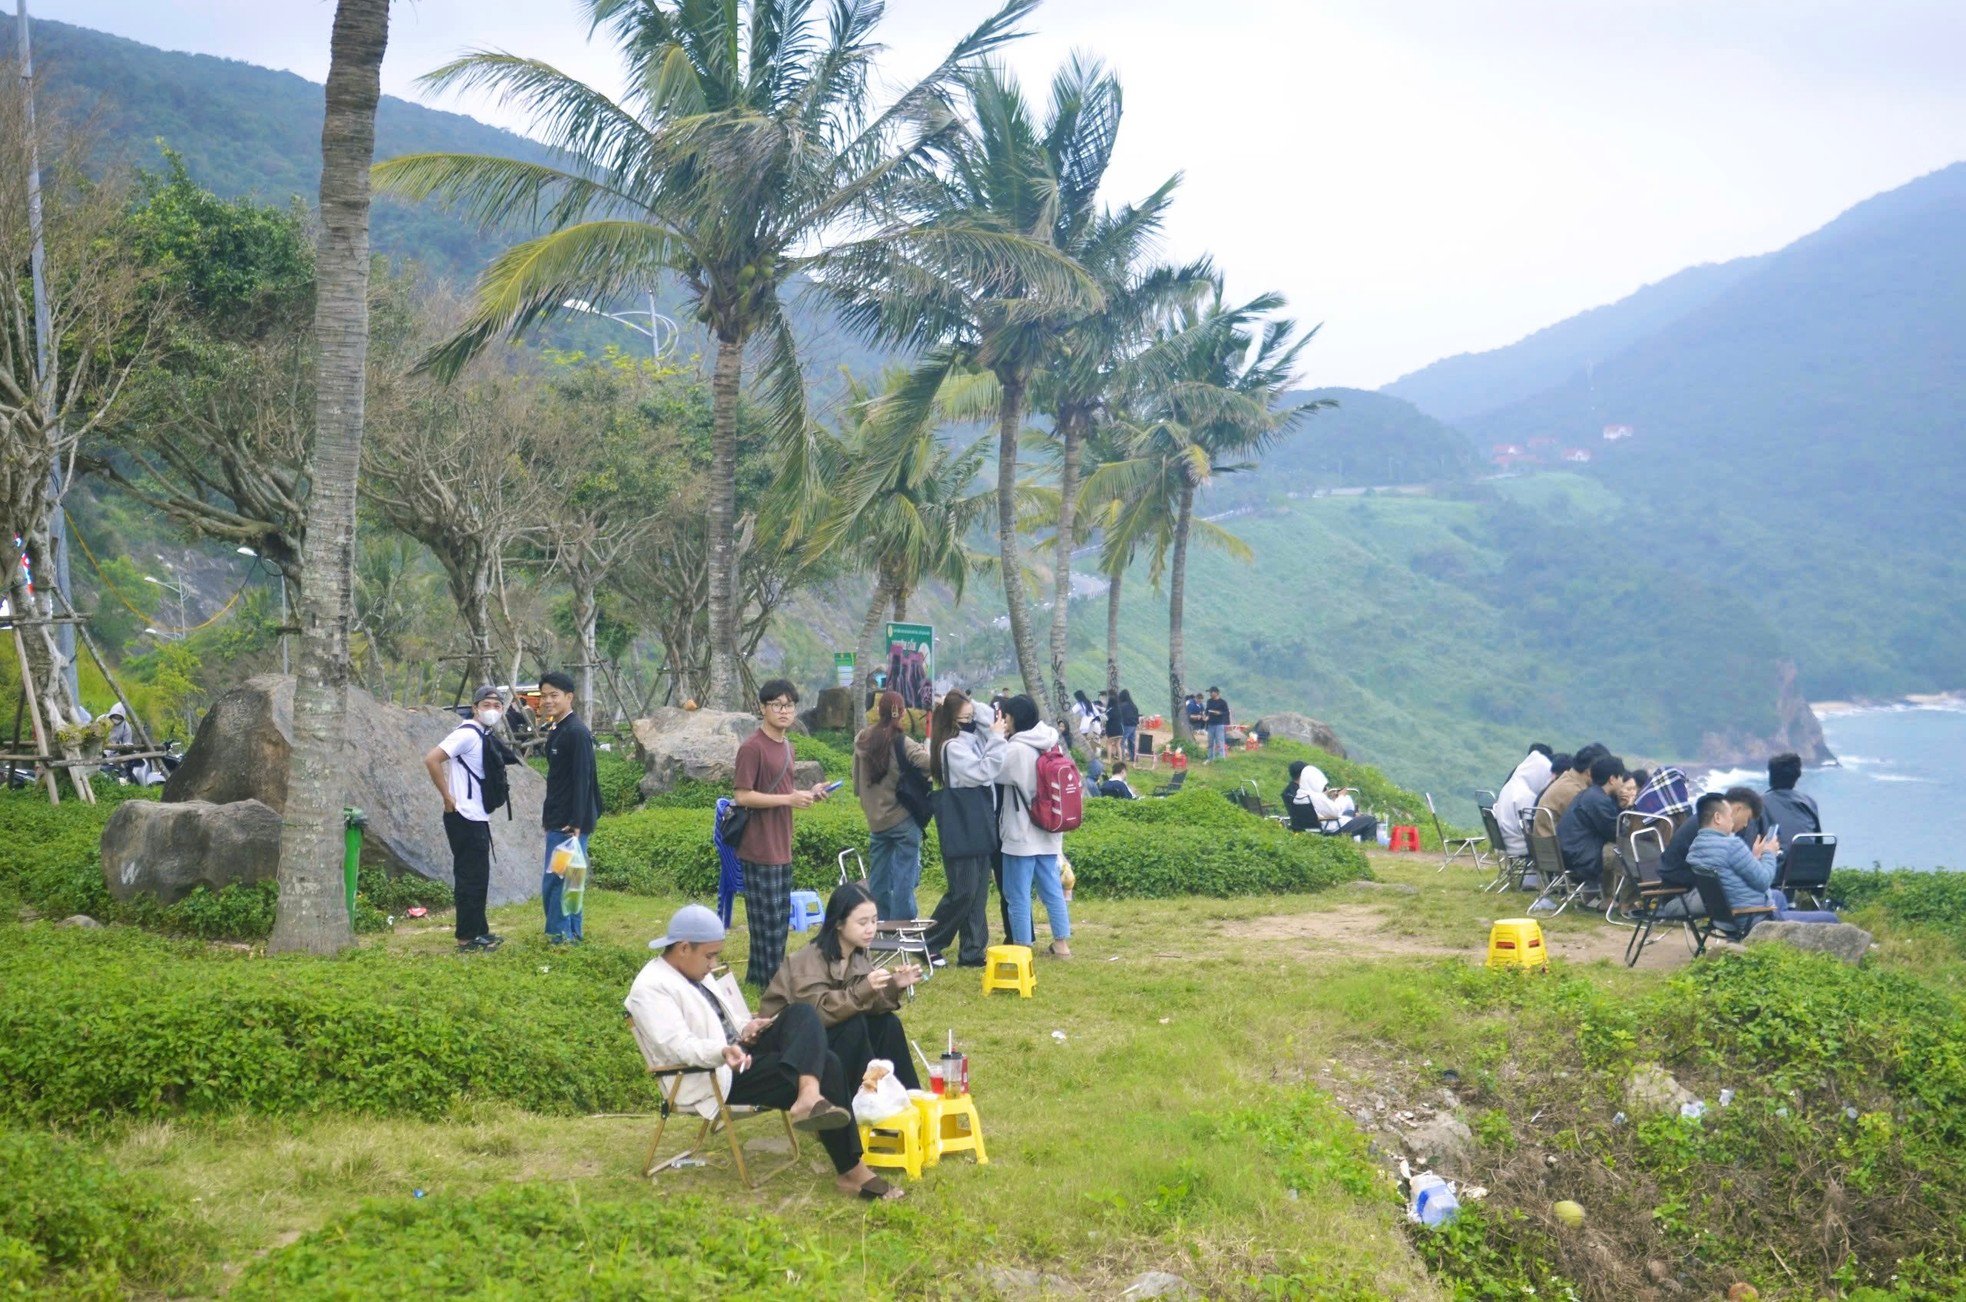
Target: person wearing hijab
x,y
1518,797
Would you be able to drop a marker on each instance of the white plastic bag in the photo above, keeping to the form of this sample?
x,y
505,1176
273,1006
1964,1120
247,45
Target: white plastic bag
x,y
887,1098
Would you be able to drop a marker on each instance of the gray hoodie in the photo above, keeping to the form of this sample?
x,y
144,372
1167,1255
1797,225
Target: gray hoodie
x,y
1020,770
973,759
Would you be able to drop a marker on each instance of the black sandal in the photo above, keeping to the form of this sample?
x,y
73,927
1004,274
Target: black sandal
x,y
824,1116
878,1190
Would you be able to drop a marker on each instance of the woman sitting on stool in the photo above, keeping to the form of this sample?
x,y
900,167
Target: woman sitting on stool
x,y
856,1000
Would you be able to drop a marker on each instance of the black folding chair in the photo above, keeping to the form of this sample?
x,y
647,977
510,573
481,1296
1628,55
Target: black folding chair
x,y
1806,868
1643,852
1509,867
1723,918
1621,906
1560,888
1180,779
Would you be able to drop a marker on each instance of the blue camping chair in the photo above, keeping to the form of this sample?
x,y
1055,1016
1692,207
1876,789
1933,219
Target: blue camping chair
x,y
730,881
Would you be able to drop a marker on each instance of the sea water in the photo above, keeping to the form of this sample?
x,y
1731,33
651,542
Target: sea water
x,y
1897,795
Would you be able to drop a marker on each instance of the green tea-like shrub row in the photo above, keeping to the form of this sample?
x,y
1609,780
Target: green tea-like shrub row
x,y
1928,899
119,1023
545,1241
73,1227
1196,843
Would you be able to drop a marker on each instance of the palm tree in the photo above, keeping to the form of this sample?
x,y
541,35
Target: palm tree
x,y
903,501
312,915
1011,174
1218,371
742,160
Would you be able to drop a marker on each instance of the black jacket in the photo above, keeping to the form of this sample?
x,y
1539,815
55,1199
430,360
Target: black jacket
x,y
1793,812
1590,824
573,791
1216,710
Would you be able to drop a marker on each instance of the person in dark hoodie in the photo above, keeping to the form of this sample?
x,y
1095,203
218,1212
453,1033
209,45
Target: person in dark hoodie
x,y
1588,830
573,797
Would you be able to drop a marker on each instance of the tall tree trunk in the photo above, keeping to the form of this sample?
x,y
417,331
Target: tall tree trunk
x,y
1010,419
1113,635
311,915
866,652
1072,435
471,588
586,622
725,384
1177,596
900,606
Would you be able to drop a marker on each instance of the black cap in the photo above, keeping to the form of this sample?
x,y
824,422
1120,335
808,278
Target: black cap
x,y
486,693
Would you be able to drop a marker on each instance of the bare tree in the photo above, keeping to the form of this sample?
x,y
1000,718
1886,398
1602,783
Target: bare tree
x,y
311,914
96,325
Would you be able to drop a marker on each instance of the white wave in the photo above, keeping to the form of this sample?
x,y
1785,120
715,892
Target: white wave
x,y
1721,779
1901,777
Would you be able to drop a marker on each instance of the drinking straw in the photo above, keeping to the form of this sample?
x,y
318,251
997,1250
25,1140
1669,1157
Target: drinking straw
x,y
926,1065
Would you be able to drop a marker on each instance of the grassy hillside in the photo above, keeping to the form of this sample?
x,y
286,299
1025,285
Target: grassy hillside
x,y
1363,439
1440,636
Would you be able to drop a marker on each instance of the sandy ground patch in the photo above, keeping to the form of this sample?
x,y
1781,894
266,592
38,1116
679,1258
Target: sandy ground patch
x,y
1372,931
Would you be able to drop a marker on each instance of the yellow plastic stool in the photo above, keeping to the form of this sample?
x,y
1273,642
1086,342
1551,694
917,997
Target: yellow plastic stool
x,y
1016,958
928,1108
896,1142
961,1129
1517,942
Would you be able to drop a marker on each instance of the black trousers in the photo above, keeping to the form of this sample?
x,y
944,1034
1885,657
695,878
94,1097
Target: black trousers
x,y
866,1036
471,844
794,1045
1003,901
962,909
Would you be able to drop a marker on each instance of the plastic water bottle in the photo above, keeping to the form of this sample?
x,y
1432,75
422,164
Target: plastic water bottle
x,y
574,898
1434,1202
1385,834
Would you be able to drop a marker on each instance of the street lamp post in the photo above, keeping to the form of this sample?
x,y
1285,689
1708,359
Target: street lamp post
x,y
661,331
183,622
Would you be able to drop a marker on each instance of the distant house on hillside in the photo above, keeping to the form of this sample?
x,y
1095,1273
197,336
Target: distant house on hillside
x,y
1507,449
1617,433
1544,442
1579,455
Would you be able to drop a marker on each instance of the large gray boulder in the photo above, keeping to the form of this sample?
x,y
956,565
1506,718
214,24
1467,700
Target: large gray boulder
x,y
241,751
1838,939
166,850
1302,728
700,746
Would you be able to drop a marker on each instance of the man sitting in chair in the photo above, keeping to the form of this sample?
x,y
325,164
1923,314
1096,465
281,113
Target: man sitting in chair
x,y
1117,786
1588,831
1746,873
1314,806
1791,811
779,1062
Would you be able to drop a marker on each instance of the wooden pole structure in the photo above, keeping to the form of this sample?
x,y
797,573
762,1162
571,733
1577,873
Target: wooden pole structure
x,y
34,715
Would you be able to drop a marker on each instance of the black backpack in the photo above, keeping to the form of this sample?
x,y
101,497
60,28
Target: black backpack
x,y
911,790
493,789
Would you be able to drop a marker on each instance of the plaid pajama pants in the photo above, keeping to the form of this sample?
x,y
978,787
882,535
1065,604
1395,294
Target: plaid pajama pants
x,y
768,917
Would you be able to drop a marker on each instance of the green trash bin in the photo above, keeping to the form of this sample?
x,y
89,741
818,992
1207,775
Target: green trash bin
x,y
353,821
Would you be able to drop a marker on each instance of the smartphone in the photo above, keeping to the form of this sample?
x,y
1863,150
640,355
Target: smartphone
x,y
835,786
1774,833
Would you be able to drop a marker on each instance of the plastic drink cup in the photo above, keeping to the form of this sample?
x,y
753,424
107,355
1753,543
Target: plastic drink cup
x,y
955,1074
935,1080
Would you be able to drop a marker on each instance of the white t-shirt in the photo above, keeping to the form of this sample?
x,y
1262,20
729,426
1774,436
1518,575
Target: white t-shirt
x,y
466,746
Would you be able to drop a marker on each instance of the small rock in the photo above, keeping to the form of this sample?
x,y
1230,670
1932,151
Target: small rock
x,y
78,920
1651,1089
1840,940
1658,1272
1016,1282
1157,1283
1445,1141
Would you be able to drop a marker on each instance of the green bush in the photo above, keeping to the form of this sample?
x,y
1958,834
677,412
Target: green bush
x,y
1118,860
1927,899
545,1241
834,755
620,777
1191,808
657,851
113,1023
74,1226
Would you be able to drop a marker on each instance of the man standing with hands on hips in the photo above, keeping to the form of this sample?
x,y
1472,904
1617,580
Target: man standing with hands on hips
x,y
573,797
763,785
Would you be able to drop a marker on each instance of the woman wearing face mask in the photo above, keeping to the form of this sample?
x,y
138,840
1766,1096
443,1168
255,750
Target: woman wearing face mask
x,y
856,1001
458,766
965,760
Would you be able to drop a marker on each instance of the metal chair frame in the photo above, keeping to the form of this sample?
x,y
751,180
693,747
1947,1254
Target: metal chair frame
x,y
1453,847
1179,780
1806,867
1648,848
1558,885
1509,867
725,1120
1722,916
894,937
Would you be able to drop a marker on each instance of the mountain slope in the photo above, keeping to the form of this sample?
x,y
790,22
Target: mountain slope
x,y
1457,388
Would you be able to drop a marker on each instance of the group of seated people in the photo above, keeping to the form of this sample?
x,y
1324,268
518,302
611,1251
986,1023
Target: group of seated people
x,y
1738,835
828,1012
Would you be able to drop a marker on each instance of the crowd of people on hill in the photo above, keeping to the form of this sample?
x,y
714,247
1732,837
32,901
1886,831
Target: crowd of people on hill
x,y
1739,836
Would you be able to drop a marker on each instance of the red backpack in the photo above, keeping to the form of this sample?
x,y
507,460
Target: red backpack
x,y
1059,805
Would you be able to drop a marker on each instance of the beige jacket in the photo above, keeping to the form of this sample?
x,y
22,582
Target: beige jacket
x,y
839,990
676,1027
1556,797
877,798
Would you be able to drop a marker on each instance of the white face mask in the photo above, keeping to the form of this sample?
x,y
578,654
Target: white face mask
x,y
490,718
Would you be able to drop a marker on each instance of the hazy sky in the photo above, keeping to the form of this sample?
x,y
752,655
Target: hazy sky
x,y
1424,177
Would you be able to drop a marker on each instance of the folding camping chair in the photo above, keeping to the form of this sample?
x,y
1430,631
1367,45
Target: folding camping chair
x,y
1453,847
726,1119
1643,851
1559,887
1509,867
1722,917
1174,787
1806,868
896,936
1250,797
1621,906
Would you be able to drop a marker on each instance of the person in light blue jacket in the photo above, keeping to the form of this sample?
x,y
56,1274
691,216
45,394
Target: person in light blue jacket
x,y
1747,874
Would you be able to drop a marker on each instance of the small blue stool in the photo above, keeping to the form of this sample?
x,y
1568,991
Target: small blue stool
x,y
807,911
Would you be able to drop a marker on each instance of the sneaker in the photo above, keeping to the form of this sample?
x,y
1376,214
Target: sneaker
x,y
557,939
936,960
488,941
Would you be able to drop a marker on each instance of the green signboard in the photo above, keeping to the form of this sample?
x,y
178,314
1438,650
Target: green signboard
x,y
911,664
843,668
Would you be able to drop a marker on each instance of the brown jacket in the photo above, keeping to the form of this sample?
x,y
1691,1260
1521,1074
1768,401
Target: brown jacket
x,y
838,990
1556,797
877,798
